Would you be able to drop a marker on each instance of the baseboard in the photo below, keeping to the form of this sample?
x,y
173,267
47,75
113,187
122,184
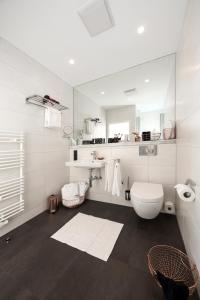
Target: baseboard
x,y
21,219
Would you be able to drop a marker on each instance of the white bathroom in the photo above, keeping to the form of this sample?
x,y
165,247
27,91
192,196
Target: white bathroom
x,y
99,149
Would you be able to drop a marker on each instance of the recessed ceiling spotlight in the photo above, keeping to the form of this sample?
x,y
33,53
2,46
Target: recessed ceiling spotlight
x,y
147,80
102,93
140,30
71,61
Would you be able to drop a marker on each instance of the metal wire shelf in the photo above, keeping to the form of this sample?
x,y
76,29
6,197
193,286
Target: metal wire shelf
x,y
41,101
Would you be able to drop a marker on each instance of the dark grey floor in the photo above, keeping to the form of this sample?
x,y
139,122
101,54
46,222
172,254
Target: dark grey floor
x,y
35,267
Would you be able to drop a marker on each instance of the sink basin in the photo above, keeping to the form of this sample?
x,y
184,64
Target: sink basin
x,y
88,164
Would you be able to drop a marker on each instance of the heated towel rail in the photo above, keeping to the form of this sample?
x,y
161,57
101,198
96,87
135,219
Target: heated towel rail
x,y
11,175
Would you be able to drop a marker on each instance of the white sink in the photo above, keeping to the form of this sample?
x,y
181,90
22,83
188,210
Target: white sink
x,y
88,164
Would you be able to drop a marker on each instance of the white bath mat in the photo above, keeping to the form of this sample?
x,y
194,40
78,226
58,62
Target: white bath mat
x,y
93,235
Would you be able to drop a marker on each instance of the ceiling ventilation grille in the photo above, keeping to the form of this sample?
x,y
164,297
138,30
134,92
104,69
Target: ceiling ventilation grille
x,y
96,16
130,92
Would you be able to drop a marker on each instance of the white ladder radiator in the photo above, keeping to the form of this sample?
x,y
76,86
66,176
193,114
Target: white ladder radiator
x,y
11,175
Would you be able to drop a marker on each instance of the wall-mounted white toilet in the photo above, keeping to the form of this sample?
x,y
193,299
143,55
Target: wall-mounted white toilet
x,y
147,199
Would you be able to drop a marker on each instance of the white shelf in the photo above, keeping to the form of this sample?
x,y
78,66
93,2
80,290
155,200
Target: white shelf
x,y
126,144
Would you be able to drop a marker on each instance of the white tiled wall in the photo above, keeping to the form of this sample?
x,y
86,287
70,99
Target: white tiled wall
x,y
188,123
45,149
159,169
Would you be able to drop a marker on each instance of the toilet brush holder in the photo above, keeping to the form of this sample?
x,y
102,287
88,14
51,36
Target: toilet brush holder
x,y
127,195
127,191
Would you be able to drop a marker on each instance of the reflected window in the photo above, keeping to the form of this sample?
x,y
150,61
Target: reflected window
x,y
118,128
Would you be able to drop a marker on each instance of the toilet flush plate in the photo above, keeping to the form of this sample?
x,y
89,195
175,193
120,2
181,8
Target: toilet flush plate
x,y
148,150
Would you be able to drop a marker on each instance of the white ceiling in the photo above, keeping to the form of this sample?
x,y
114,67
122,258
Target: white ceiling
x,y
51,32
147,96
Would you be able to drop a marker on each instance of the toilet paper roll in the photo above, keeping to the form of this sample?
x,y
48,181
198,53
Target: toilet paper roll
x,y
185,192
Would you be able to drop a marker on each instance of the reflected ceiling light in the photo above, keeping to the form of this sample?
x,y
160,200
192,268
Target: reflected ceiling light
x,y
71,61
140,30
102,93
147,80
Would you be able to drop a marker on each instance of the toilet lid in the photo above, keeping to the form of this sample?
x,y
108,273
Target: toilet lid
x,y
147,192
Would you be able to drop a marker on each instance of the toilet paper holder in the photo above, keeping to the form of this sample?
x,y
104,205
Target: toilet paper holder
x,y
191,184
186,192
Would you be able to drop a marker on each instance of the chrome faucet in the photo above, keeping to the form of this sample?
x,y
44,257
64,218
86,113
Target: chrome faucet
x,y
94,155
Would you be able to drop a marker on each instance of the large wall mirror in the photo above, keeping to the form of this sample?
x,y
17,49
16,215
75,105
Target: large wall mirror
x,y
135,104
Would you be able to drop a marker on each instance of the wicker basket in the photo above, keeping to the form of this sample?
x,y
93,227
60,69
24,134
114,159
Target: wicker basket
x,y
74,202
174,264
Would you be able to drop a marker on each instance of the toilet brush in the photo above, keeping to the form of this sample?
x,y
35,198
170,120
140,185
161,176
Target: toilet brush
x,y
127,191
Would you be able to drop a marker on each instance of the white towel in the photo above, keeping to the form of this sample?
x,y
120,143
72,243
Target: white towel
x,y
109,170
73,190
117,180
89,126
52,118
70,191
83,186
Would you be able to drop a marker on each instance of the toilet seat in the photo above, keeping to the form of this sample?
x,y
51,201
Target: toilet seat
x,y
147,192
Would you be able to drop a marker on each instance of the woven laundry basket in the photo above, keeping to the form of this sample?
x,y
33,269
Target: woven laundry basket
x,y
73,202
73,194
174,264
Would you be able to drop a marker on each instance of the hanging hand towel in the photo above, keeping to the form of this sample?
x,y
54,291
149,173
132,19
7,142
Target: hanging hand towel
x,y
52,118
109,170
89,126
117,180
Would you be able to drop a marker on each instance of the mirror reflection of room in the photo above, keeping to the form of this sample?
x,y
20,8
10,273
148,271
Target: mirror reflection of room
x,y
134,105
